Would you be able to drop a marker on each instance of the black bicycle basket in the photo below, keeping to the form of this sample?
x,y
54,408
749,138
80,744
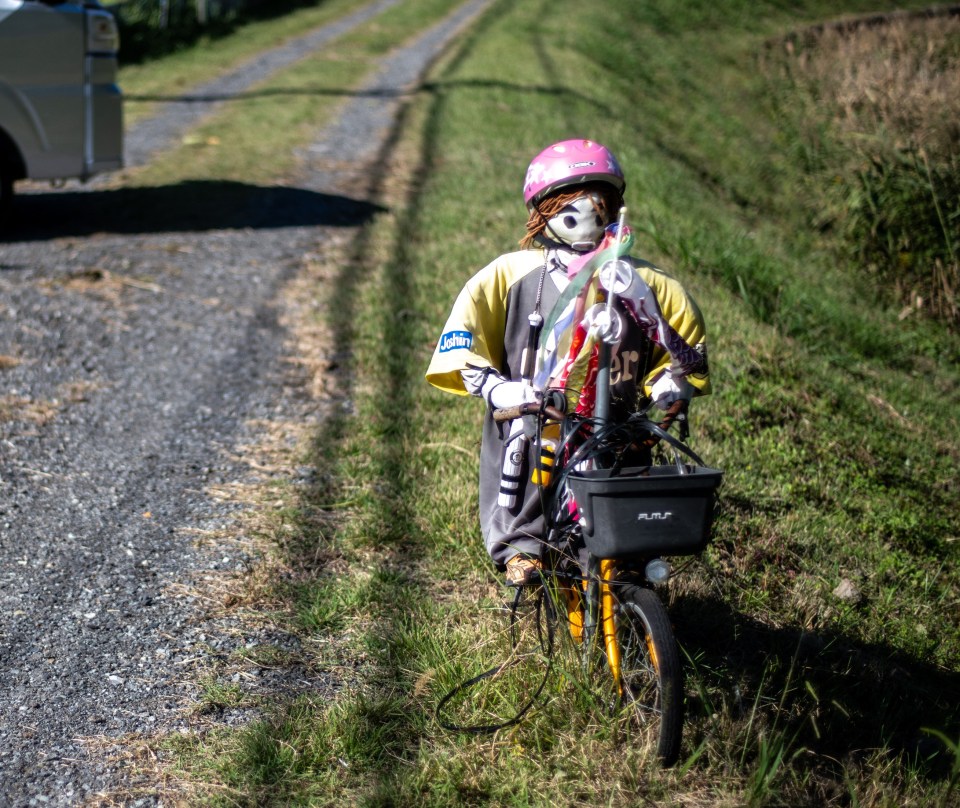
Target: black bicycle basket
x,y
646,511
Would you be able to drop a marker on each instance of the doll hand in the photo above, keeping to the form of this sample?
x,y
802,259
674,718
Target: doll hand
x,y
501,394
667,389
511,394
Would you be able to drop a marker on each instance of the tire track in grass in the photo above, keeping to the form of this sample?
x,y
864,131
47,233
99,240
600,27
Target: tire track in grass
x,y
169,122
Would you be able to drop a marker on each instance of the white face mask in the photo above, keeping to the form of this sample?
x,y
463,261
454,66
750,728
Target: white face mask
x,y
579,224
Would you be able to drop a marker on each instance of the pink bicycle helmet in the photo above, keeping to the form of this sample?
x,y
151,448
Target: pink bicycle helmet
x,y
570,162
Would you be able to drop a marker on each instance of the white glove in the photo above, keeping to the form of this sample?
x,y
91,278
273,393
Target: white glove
x,y
501,394
607,324
666,389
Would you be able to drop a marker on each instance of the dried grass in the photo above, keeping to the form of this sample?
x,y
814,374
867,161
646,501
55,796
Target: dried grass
x,y
902,78
20,408
877,118
267,529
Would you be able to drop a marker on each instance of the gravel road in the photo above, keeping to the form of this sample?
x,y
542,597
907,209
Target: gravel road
x,y
134,367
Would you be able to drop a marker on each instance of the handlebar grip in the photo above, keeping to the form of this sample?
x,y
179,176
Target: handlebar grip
x,y
507,413
674,411
530,408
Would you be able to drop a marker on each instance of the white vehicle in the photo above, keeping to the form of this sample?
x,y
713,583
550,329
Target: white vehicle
x,y
60,107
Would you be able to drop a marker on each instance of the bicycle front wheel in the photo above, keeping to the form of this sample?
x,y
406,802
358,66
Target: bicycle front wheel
x,y
651,677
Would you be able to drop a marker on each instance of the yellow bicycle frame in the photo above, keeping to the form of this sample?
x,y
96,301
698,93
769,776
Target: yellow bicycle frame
x,y
607,621
608,624
573,599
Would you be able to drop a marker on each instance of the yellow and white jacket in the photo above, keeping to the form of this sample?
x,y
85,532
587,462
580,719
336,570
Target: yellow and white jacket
x,y
488,324
488,327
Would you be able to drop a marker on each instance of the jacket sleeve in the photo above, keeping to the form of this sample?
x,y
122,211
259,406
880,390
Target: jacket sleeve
x,y
688,331
473,333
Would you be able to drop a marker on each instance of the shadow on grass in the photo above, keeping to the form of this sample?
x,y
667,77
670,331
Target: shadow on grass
x,y
833,695
436,87
186,206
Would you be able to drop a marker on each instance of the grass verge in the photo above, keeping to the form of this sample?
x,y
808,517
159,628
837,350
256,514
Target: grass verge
x,y
167,78
226,166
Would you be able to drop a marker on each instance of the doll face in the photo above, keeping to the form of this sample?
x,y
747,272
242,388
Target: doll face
x,y
579,224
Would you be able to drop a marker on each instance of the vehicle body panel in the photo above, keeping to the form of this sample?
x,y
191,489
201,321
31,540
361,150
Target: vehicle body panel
x,y
60,105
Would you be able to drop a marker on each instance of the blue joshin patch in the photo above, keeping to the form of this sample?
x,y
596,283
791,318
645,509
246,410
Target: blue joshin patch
x,y
455,340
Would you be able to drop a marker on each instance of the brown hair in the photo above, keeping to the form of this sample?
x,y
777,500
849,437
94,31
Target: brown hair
x,y
611,200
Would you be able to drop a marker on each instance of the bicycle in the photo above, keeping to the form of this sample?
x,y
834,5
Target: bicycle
x,y
612,514
609,525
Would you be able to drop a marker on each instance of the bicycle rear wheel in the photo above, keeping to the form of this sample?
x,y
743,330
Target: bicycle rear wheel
x,y
651,677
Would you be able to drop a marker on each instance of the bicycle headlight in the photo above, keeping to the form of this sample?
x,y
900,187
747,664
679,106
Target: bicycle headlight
x,y
658,571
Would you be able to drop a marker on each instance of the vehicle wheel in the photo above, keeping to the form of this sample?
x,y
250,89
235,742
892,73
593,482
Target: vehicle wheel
x,y
6,196
651,674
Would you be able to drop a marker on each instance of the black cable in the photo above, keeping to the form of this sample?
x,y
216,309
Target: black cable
x,y
479,729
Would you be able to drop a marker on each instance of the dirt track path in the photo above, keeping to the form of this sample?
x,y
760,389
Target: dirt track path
x,y
123,404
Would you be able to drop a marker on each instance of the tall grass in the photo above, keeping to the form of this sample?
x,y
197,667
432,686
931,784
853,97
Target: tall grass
x,y
879,125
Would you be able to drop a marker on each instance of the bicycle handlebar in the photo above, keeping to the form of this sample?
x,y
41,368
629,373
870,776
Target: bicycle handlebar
x,y
670,415
529,408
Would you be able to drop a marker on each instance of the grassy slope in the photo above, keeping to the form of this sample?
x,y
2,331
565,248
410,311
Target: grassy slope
x,y
836,424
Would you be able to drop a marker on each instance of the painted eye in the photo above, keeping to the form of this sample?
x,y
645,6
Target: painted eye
x,y
570,221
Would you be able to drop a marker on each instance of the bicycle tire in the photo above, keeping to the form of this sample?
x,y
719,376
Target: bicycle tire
x,y
651,686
